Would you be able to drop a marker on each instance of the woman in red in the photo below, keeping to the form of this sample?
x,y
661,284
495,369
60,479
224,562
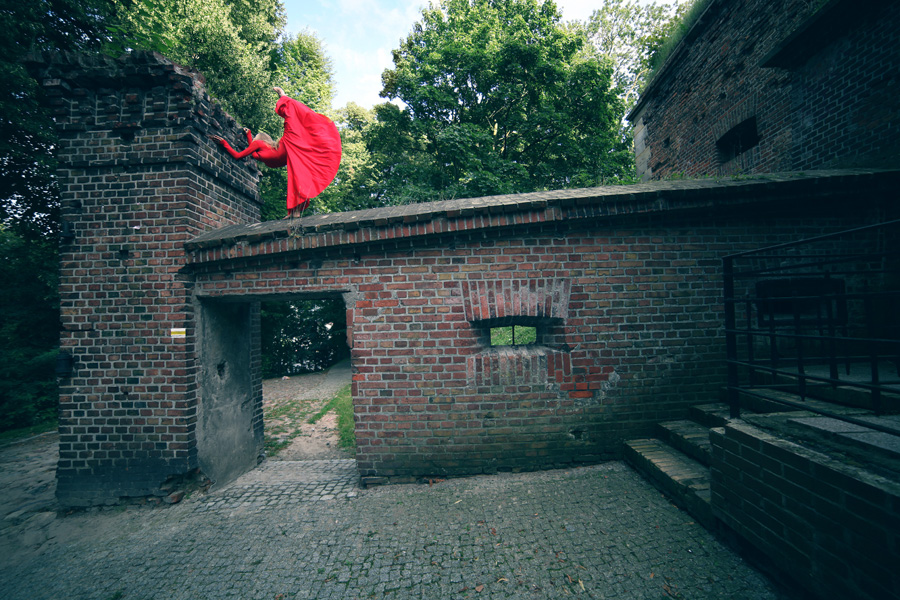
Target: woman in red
x,y
310,148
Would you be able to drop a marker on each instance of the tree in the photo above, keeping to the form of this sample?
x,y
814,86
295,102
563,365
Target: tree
x,y
303,336
29,202
629,34
232,42
499,97
356,185
304,71
29,328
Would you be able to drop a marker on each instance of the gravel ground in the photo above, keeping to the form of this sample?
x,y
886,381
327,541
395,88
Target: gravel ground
x,y
303,529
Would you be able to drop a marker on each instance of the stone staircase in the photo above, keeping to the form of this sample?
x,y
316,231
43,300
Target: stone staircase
x,y
677,460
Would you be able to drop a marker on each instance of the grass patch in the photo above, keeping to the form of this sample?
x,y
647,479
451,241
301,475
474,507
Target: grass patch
x,y
691,14
513,335
342,404
322,411
290,415
283,424
273,445
291,407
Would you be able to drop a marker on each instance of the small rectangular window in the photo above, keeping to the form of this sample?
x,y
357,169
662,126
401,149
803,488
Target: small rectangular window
x,y
513,335
738,140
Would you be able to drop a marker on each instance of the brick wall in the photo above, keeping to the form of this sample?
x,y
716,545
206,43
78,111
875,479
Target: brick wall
x,y
807,90
845,107
833,528
623,285
160,281
138,178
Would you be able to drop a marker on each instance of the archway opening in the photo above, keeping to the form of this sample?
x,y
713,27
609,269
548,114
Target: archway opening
x,y
305,364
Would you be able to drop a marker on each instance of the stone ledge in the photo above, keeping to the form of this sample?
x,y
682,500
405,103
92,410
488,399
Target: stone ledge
x,y
413,220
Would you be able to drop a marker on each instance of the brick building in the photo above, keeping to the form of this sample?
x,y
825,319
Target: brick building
x,y
623,284
164,263
764,86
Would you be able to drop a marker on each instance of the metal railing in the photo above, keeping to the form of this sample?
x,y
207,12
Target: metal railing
x,y
818,314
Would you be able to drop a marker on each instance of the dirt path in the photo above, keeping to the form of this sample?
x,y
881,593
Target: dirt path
x,y
287,406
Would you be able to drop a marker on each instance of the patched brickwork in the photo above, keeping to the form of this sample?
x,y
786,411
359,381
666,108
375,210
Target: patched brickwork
x,y
623,284
764,86
138,178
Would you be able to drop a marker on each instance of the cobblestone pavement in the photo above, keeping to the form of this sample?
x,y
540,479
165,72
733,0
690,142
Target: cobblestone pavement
x,y
303,530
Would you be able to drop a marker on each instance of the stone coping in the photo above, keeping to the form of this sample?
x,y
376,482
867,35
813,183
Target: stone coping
x,y
602,202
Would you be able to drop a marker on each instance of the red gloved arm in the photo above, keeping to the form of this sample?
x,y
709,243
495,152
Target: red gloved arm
x,y
253,147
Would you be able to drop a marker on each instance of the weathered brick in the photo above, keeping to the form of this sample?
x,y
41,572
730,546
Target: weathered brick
x,y
129,226
741,66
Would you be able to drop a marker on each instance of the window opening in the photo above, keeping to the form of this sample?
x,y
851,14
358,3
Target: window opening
x,y
513,335
738,140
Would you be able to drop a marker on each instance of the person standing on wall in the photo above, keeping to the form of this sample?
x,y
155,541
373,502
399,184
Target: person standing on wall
x,y
310,148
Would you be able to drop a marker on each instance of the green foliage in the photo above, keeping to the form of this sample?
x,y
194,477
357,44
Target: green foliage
x,y
685,18
343,404
28,196
305,72
303,336
513,335
29,203
273,190
356,185
29,330
500,97
233,43
629,33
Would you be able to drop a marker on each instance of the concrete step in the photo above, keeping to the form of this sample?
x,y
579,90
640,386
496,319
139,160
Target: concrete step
x,y
846,395
869,448
751,401
684,480
763,401
710,415
688,437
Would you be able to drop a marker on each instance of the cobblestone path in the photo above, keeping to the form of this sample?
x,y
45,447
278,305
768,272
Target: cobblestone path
x,y
303,530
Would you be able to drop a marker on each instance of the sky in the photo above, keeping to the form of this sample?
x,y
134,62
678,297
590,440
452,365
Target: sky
x,y
359,35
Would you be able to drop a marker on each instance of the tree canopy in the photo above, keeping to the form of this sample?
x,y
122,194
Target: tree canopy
x,y
233,43
29,205
499,96
629,34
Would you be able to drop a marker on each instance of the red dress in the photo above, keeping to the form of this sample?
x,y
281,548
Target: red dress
x,y
310,147
313,147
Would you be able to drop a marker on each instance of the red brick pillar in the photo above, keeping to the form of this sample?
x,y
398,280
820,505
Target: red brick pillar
x,y
138,177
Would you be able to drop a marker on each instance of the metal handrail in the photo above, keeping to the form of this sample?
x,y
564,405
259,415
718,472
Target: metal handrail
x,y
835,326
819,238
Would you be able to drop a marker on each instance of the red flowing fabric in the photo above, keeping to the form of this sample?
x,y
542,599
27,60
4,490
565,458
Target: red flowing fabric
x,y
313,147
